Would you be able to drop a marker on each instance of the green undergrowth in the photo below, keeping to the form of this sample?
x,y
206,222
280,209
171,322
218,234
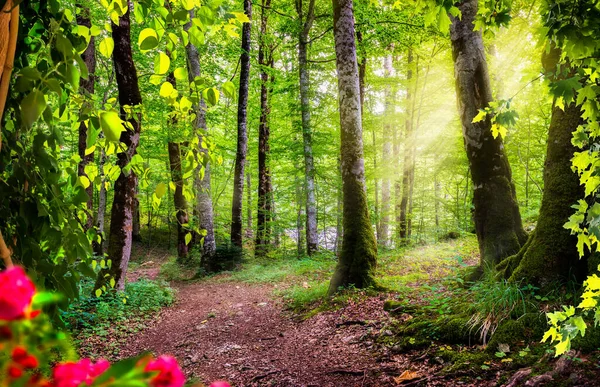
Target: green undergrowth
x,y
114,314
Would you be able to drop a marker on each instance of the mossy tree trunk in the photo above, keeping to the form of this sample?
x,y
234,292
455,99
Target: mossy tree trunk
x,y
121,220
403,221
496,211
550,254
203,210
358,257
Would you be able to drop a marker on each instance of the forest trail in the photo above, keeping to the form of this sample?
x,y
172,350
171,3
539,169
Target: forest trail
x,y
241,333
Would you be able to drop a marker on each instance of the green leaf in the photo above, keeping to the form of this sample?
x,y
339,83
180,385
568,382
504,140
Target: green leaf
x,y
229,89
32,107
579,324
180,74
161,63
161,190
480,116
188,238
45,298
98,292
212,96
111,125
166,89
106,47
148,39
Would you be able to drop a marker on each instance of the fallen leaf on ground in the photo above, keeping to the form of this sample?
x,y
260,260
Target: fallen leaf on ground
x,y
405,376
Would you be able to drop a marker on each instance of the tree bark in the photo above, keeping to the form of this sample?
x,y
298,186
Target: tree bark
x,y
497,219
358,257
403,225
550,254
242,133
204,205
87,88
312,239
98,245
121,221
136,234
265,188
174,149
383,234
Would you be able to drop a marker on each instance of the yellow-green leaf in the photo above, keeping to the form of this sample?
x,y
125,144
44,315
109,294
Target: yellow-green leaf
x,y
106,47
110,122
166,89
161,63
148,39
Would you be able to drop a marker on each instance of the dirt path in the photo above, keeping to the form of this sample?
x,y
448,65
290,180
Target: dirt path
x,y
240,333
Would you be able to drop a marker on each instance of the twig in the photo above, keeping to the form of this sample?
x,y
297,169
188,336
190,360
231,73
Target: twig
x,y
259,377
347,372
351,322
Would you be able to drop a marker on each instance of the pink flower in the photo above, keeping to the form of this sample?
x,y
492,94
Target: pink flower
x,y
220,383
16,293
71,374
169,374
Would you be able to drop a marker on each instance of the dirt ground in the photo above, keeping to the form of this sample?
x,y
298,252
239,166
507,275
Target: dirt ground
x,y
242,334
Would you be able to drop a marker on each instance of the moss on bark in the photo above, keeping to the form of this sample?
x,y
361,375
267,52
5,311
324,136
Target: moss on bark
x,y
550,254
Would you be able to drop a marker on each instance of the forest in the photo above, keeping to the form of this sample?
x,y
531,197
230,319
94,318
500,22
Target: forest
x,y
299,193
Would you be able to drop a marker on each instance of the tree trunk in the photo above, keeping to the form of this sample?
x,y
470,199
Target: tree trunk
x,y
204,205
265,188
339,231
383,237
376,183
312,239
300,224
136,234
174,149
550,254
98,245
86,88
407,162
358,257
497,219
242,133
121,221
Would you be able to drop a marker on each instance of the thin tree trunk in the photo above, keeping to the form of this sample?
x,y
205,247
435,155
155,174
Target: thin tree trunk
x,y
299,215
121,221
242,134
358,258
174,149
204,205
383,235
497,219
376,182
407,163
312,239
249,205
265,188
87,88
98,245
339,230
137,225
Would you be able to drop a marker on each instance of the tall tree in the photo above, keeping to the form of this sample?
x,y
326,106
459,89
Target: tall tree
x,y
306,22
265,188
87,88
496,211
403,224
550,253
202,184
121,220
358,257
242,133
174,149
383,234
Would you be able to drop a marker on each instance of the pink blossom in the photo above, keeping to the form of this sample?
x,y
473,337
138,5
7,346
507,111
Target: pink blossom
x,y
169,374
16,293
220,383
71,374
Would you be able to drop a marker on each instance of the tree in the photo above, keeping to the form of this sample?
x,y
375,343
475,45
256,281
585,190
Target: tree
x,y
121,220
265,187
407,165
174,149
312,240
202,184
550,253
496,212
242,133
358,257
87,88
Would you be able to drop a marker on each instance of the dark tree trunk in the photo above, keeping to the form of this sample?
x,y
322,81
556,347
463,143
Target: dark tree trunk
x,y
550,253
407,164
249,205
204,205
98,244
136,234
265,188
179,200
497,220
242,133
358,257
121,220
312,239
86,88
